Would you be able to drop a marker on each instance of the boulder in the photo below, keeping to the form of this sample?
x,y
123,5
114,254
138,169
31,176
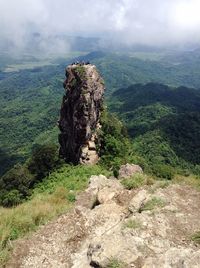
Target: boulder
x,y
126,171
138,201
107,189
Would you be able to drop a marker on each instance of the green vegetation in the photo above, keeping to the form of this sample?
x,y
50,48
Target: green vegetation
x,y
115,144
44,159
47,197
161,185
164,123
115,263
192,180
132,224
18,221
81,71
51,197
163,171
17,184
135,181
153,203
196,237
30,102
120,71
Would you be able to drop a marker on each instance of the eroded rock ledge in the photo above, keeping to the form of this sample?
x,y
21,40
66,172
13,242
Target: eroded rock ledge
x,y
80,114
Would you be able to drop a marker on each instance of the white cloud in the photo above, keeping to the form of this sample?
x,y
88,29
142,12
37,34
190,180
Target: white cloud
x,y
129,21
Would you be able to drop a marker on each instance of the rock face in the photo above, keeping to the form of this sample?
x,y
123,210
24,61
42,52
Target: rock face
x,y
80,114
107,227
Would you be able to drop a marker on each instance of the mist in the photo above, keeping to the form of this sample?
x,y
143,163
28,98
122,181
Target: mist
x,y
46,25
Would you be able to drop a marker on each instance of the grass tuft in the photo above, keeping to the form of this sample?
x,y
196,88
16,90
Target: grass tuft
x,y
153,203
115,263
196,237
81,71
136,181
132,224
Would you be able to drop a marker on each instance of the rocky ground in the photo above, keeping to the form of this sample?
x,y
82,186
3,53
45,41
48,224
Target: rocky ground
x,y
114,227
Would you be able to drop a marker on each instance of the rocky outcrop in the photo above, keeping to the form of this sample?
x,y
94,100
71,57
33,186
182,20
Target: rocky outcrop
x,y
128,170
80,114
150,227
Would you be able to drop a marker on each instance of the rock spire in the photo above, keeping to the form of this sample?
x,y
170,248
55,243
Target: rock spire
x,y
80,114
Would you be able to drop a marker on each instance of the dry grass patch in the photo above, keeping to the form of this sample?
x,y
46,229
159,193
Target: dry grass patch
x,y
136,181
51,198
189,180
132,224
153,203
18,221
196,237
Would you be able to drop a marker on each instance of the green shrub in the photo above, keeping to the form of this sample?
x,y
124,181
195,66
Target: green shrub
x,y
116,168
44,159
11,198
81,71
135,181
115,146
71,197
115,263
163,171
153,203
15,185
197,170
112,125
196,237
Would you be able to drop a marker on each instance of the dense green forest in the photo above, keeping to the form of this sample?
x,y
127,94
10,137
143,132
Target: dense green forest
x,y
164,123
31,98
30,103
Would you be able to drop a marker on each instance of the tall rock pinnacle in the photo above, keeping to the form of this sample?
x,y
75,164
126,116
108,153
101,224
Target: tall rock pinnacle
x,y
80,114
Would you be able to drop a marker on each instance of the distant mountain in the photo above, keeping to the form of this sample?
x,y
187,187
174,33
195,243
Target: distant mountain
x,y
121,70
184,57
43,45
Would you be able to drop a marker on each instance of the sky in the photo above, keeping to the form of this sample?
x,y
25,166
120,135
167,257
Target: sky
x,y
149,22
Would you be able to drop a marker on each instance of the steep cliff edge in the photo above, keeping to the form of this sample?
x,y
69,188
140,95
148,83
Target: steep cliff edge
x,y
80,114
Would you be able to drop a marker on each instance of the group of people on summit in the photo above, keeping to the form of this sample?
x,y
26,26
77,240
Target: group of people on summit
x,y
80,63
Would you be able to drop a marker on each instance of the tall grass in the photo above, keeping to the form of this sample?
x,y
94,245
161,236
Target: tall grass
x,y
51,198
191,180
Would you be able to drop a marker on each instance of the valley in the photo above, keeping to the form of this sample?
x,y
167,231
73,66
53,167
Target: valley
x,y
29,114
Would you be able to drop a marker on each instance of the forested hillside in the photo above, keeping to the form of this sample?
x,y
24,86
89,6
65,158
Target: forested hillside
x,y
30,98
164,122
29,111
